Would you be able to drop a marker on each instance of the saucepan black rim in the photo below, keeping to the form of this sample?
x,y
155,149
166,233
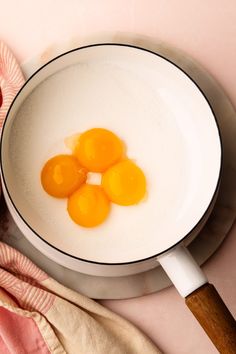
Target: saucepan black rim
x,y
87,260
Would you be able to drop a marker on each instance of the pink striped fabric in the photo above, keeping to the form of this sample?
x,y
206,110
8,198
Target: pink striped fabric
x,y
1,99
11,80
19,264
21,279
18,275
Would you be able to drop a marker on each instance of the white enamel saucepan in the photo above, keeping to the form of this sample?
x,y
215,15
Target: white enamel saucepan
x,y
170,130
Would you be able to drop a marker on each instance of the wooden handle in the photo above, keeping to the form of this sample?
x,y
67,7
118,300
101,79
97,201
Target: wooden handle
x,y
209,309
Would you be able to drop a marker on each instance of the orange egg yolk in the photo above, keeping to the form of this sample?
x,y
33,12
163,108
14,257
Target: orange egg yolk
x,y
88,206
97,149
124,183
62,175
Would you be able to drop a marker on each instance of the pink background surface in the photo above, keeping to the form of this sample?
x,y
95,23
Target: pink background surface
x,y
206,30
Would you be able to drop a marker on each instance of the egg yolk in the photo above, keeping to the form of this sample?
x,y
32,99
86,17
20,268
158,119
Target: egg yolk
x,y
88,206
124,183
62,175
97,149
